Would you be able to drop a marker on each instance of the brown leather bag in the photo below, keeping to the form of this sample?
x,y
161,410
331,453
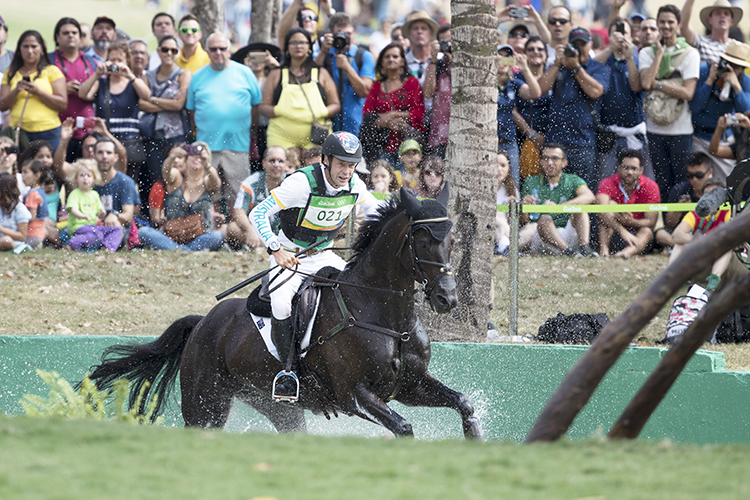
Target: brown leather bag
x,y
185,229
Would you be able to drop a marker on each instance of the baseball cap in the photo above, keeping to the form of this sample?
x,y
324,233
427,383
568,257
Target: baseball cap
x,y
638,16
104,19
506,47
409,145
579,34
521,26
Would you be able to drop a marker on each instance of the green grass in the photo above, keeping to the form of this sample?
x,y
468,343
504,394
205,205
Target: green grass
x,y
66,459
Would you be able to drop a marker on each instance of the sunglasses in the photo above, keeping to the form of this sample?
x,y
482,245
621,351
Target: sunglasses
x,y
697,175
185,30
167,50
554,20
308,17
532,50
433,172
217,49
519,34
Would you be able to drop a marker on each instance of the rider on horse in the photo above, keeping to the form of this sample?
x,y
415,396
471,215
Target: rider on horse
x,y
313,204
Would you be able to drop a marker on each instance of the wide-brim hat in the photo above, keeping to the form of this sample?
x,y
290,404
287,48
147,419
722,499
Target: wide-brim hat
x,y
737,53
240,55
419,16
720,4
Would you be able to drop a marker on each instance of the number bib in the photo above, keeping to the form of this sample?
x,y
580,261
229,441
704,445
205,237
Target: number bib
x,y
327,214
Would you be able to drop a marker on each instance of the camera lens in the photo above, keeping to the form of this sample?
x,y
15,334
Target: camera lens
x,y
340,41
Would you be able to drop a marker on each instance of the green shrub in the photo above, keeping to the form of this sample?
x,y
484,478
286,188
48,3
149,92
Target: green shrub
x,y
88,401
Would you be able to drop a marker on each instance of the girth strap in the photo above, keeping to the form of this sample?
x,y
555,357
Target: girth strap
x,y
349,321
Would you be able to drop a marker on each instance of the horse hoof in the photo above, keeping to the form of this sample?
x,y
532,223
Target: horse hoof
x,y
473,429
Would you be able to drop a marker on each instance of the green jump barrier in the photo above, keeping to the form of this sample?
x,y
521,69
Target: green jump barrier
x,y
600,209
508,385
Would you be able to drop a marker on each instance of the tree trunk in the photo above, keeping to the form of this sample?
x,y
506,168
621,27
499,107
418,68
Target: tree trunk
x,y
472,167
210,14
265,16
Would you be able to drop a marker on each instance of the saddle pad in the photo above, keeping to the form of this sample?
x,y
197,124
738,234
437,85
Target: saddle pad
x,y
264,327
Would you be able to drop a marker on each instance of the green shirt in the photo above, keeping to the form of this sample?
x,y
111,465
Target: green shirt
x,y
88,203
565,190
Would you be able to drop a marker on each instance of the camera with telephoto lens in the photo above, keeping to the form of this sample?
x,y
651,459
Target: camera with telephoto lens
x,y
340,41
113,68
723,66
445,46
570,50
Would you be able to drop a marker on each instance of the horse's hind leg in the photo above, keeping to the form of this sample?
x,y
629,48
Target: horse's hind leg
x,y
430,392
205,404
284,417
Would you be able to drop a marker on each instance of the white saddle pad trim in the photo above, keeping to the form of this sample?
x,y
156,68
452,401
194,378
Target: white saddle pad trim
x,y
264,326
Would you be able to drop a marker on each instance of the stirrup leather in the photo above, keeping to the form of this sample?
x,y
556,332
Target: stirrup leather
x,y
291,398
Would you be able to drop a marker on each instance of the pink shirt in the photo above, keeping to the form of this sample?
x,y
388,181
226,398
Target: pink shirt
x,y
647,191
79,70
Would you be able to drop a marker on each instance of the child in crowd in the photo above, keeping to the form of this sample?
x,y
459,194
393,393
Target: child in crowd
x,y
293,161
382,178
431,178
693,226
176,159
506,192
36,201
410,154
312,156
85,209
14,216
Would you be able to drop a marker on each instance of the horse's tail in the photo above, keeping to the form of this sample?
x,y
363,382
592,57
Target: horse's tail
x,y
157,360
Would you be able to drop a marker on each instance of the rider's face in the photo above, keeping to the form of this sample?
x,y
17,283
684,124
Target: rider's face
x,y
339,172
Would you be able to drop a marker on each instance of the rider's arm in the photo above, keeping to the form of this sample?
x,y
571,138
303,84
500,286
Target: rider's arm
x,y
260,217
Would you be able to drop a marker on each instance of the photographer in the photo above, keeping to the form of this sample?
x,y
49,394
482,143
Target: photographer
x,y
723,88
740,149
437,86
352,68
577,84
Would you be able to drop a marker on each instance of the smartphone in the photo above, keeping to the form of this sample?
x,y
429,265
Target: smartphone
x,y
82,122
257,57
518,12
620,27
26,78
507,61
192,150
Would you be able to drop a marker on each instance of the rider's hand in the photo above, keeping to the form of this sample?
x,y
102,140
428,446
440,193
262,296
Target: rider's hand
x,y
285,259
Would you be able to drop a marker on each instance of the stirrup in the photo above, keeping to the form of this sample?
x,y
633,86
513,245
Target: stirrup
x,y
287,396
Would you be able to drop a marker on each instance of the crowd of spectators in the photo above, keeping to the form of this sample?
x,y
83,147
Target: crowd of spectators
x,y
172,149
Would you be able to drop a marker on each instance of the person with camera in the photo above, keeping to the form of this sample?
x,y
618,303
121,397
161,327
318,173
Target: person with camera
x,y
437,86
578,83
738,150
723,89
718,19
352,69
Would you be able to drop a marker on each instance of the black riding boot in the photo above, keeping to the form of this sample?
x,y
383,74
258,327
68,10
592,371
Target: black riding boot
x,y
286,383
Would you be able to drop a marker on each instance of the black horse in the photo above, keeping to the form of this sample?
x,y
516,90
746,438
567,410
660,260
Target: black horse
x,y
370,346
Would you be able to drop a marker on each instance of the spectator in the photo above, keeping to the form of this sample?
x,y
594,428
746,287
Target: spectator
x,y
306,18
649,32
118,192
256,188
86,41
139,54
519,33
394,110
693,227
176,159
14,216
699,171
40,226
382,179
421,29
722,88
627,233
188,195
718,20
397,35
192,56
508,91
559,25
576,94
437,86
622,105
162,24
506,192
352,69
635,25
63,170
41,151
76,68
6,56
115,91
169,124
556,233
431,178
669,134
103,34
34,90
740,149
410,157
312,156
86,212
222,102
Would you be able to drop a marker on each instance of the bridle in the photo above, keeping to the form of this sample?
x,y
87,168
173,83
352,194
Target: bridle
x,y
445,268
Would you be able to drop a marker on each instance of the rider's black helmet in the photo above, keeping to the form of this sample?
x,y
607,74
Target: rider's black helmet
x,y
344,146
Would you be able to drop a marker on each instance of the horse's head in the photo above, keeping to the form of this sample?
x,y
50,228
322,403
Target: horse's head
x,y
430,242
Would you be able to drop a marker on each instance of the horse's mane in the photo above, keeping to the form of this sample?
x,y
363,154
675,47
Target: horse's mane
x,y
373,226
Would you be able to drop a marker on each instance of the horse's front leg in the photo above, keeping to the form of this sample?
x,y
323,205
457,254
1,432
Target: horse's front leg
x,y
430,392
364,403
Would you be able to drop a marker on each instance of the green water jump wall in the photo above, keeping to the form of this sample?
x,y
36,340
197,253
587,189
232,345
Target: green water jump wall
x,y
508,385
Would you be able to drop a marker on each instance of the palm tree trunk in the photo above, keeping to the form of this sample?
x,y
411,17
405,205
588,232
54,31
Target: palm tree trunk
x,y
265,17
210,14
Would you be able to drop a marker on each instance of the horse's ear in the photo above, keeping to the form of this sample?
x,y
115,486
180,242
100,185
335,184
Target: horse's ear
x,y
444,195
412,204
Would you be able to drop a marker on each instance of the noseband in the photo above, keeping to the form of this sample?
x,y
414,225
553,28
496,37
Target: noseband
x,y
445,267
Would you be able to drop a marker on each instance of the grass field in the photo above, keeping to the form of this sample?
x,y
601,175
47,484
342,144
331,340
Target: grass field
x,y
72,460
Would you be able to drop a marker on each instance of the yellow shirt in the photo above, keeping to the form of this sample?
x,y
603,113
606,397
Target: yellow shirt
x,y
38,117
199,59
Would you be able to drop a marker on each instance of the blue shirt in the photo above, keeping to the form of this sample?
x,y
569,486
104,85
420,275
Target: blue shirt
x,y
620,105
118,192
707,107
570,119
535,111
223,101
506,101
352,104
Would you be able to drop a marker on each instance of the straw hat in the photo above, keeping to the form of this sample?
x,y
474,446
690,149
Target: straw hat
x,y
720,4
419,16
737,53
